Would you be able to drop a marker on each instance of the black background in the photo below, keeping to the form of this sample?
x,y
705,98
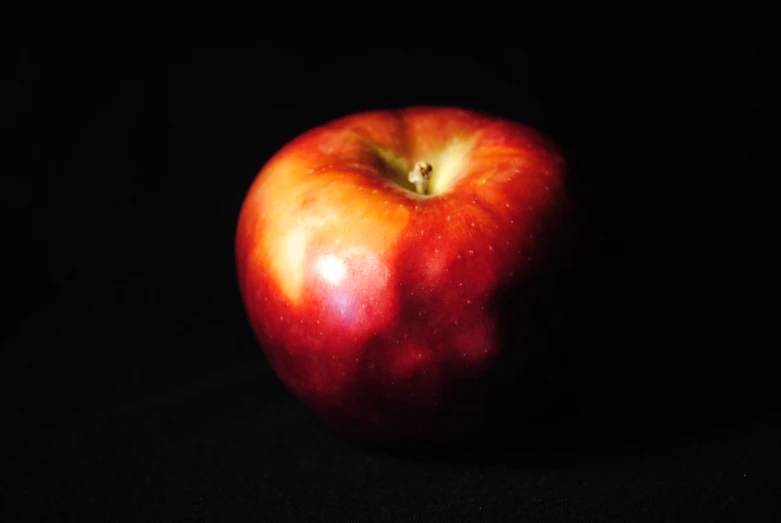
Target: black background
x,y
135,390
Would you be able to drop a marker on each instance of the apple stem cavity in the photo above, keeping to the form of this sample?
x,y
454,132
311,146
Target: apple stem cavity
x,y
419,176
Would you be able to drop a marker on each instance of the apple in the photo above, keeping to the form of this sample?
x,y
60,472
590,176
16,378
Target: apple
x,y
402,270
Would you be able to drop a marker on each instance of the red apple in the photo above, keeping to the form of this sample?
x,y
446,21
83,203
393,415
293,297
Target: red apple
x,y
399,269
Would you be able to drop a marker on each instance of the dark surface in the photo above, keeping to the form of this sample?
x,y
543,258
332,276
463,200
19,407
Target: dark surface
x,y
133,387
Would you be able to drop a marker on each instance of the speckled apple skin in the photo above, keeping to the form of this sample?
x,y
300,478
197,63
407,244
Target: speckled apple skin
x,y
397,317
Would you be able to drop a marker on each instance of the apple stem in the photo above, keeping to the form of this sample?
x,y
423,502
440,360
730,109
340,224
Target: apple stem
x,y
420,175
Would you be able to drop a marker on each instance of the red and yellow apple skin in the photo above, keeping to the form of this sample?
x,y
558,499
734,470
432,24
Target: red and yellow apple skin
x,y
401,317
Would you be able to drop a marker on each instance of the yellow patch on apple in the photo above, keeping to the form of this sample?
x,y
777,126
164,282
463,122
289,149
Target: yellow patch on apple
x,y
293,222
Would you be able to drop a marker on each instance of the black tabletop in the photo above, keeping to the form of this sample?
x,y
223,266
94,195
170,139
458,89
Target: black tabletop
x,y
193,439
134,389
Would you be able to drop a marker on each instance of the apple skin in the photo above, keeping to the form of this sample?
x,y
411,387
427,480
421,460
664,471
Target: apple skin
x,y
399,318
